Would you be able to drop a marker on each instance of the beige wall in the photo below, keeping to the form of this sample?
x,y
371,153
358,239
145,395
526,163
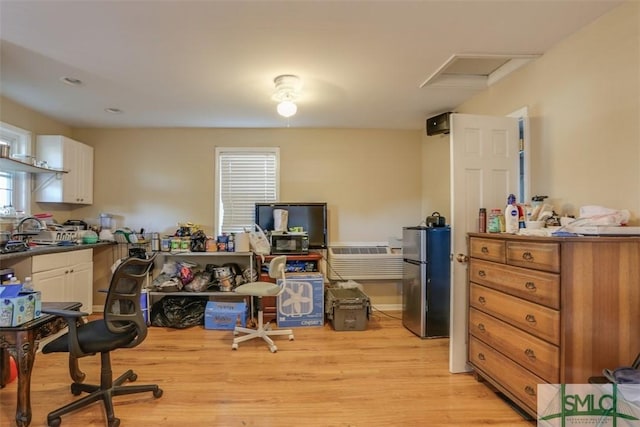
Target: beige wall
x,y
154,178
22,117
583,98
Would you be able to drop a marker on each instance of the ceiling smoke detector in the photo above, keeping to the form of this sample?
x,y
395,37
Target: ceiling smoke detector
x,y
287,92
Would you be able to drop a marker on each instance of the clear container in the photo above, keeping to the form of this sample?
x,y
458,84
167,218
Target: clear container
x,y
494,225
27,285
106,221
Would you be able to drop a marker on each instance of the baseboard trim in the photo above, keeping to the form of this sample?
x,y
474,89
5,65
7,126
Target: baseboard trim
x,y
387,307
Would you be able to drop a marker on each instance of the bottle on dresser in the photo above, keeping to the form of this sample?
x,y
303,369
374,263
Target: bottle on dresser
x,y
511,215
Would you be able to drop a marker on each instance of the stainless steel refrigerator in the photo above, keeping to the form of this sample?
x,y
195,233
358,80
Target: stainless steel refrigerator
x,y
426,280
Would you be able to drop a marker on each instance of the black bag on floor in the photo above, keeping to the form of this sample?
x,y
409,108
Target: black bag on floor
x,y
178,312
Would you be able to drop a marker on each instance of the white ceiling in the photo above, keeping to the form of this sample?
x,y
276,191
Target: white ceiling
x,y
212,63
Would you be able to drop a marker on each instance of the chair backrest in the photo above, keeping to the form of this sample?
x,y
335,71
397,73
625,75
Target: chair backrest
x,y
277,268
122,310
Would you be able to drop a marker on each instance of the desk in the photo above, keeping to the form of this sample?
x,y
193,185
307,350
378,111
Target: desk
x,y
21,342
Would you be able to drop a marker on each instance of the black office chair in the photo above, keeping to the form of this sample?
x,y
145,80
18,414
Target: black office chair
x,y
122,326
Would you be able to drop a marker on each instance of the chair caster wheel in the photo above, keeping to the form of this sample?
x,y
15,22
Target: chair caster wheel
x,y
114,422
54,422
291,338
133,377
75,389
157,393
234,346
273,348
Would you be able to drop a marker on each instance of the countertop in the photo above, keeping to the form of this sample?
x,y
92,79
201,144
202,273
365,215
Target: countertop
x,y
52,249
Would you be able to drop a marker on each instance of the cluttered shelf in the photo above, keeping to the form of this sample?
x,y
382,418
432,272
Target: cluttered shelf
x,y
202,270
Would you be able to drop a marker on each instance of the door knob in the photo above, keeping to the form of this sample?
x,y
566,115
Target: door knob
x,y
462,258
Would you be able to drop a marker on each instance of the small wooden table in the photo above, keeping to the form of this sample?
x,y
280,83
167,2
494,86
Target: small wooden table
x,y
22,342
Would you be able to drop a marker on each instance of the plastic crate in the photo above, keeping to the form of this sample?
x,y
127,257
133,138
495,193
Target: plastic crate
x,y
225,315
348,309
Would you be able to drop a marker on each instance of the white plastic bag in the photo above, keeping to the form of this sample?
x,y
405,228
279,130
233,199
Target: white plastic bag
x,y
258,241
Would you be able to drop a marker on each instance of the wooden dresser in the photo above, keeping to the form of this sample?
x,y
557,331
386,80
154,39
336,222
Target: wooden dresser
x,y
551,310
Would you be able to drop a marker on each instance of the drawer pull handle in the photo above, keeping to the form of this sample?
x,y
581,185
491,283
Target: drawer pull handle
x,y
530,390
530,354
530,318
481,327
527,256
481,273
530,285
481,356
484,250
482,300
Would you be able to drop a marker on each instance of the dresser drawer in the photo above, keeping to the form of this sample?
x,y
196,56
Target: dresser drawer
x,y
541,256
535,319
489,249
517,380
536,286
537,355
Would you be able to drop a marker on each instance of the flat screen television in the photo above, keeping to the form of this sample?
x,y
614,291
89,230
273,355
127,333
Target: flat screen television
x,y
312,217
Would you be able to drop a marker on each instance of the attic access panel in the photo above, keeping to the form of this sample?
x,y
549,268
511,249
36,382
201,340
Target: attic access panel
x,y
476,70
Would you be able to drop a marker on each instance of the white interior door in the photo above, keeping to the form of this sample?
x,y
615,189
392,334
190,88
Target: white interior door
x,y
484,170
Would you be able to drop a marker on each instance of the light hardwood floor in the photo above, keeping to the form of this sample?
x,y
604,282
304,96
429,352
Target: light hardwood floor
x,y
384,376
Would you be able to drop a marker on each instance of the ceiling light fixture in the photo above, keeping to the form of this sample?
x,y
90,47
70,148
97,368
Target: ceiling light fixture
x,y
287,92
112,110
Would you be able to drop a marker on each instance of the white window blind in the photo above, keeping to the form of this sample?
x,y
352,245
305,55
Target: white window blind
x,y
245,176
14,186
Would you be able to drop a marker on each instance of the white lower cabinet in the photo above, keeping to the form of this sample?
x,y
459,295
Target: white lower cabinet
x,y
66,276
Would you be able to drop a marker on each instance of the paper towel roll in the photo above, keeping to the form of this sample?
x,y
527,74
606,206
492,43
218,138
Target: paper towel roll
x,y
242,242
280,219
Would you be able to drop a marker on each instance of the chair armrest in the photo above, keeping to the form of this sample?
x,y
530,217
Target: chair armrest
x,y
71,316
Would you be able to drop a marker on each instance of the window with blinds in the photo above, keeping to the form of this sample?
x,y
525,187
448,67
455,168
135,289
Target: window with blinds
x,y
14,186
245,176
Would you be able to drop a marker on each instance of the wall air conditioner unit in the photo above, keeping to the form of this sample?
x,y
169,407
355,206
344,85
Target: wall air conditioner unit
x,y
363,263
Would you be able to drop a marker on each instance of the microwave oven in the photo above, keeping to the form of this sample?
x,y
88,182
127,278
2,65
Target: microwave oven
x,y
289,243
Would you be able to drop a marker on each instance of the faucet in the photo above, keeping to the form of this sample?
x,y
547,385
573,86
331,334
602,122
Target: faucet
x,y
19,227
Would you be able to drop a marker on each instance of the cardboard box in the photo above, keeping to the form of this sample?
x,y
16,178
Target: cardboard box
x,y
225,315
18,307
302,301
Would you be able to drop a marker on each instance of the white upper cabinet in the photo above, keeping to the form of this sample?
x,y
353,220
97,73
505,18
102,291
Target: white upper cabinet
x,y
61,152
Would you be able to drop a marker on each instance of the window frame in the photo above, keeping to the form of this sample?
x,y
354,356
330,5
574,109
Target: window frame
x,y
21,142
219,153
